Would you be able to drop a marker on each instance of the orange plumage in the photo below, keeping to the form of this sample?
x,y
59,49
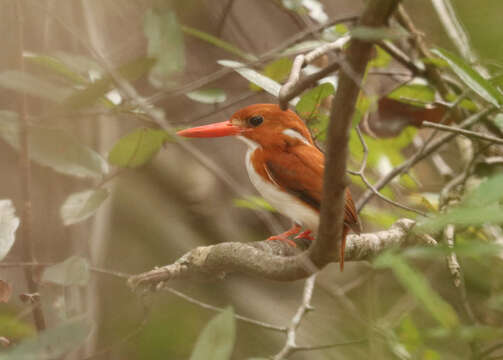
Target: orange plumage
x,y
284,165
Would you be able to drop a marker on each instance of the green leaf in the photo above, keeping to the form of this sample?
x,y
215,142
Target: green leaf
x,y
9,223
277,70
479,207
51,343
382,58
27,83
138,147
82,205
165,41
54,148
14,328
414,93
254,203
56,66
419,287
216,341
208,96
380,33
72,271
470,77
87,96
218,43
309,103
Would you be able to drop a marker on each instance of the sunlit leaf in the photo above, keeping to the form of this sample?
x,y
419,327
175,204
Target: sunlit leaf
x,y
9,223
269,85
138,147
308,105
414,93
32,85
54,148
277,70
165,41
213,40
373,33
216,341
208,96
382,58
72,271
51,343
254,203
471,78
89,95
418,286
82,205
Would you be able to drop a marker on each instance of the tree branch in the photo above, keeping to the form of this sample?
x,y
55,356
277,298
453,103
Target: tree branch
x,y
469,133
273,260
325,249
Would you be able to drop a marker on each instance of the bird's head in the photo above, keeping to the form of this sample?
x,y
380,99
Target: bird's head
x,y
264,124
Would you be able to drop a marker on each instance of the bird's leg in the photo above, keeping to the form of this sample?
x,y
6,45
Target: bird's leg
x,y
305,235
284,236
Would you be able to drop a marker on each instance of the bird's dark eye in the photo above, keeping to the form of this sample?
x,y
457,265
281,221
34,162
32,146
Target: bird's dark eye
x,y
256,120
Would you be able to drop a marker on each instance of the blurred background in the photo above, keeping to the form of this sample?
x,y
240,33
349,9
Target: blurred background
x,y
156,212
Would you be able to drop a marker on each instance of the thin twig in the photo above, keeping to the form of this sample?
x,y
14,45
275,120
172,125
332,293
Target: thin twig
x,y
25,175
304,307
469,133
328,346
431,148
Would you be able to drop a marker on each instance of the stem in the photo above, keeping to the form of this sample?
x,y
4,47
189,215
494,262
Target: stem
x,y
25,174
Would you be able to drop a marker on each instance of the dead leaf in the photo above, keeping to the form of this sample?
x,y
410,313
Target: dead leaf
x,y
5,291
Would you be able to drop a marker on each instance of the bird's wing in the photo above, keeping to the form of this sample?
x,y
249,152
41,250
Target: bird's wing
x,y
299,171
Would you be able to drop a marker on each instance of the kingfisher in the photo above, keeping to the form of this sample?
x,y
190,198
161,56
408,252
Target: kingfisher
x,y
284,165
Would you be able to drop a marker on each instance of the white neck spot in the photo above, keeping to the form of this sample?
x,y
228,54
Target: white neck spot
x,y
296,135
252,145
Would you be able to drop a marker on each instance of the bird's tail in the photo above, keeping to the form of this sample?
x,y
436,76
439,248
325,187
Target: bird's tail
x,y
342,248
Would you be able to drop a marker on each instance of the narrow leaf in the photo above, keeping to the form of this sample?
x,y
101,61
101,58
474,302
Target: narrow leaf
x,y
419,287
373,33
56,66
32,85
216,341
208,96
218,43
82,205
54,148
51,343
72,271
138,147
9,223
470,77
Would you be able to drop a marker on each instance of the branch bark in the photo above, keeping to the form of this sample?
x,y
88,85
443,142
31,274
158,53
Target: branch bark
x,y
273,260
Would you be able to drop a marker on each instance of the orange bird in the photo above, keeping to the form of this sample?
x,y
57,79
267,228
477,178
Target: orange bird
x,y
284,165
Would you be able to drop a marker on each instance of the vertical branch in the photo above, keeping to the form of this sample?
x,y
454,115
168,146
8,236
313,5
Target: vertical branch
x,y
25,172
343,106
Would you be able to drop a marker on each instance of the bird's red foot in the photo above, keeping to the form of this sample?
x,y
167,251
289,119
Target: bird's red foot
x,y
305,235
284,236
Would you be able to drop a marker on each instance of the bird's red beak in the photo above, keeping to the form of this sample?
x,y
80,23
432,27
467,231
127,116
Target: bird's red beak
x,y
224,128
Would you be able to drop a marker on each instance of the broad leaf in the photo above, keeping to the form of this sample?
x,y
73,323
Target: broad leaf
x,y
9,223
32,85
54,148
51,343
471,78
216,341
217,42
414,93
72,271
165,41
82,205
419,287
208,96
138,147
309,103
